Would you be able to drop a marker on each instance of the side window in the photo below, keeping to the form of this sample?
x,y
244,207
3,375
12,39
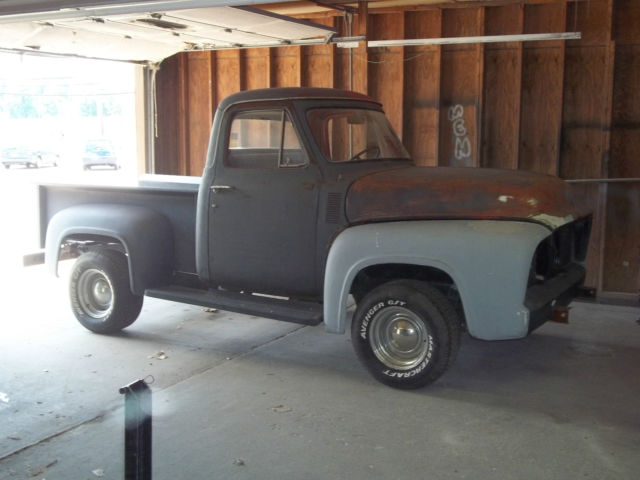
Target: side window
x,y
264,139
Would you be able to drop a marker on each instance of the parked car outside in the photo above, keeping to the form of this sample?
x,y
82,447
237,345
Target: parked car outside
x,y
28,157
99,153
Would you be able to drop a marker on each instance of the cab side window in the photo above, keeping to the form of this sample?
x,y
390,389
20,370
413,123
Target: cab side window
x,y
264,139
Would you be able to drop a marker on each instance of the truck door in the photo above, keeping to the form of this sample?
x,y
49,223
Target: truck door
x,y
262,224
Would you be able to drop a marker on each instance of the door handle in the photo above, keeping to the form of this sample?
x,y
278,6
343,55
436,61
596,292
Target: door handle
x,y
221,188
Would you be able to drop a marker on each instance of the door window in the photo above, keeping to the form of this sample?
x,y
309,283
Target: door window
x,y
264,139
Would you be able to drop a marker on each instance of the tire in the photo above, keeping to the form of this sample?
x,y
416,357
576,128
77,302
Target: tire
x,y
406,333
101,298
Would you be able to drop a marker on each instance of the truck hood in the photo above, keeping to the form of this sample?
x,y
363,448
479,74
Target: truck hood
x,y
462,193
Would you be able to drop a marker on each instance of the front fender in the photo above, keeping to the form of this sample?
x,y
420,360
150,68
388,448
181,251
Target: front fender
x,y
489,262
145,235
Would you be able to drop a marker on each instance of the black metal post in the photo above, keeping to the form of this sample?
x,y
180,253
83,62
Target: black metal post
x,y
137,431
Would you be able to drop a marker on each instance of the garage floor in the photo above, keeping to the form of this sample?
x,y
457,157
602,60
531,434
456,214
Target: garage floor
x,y
240,397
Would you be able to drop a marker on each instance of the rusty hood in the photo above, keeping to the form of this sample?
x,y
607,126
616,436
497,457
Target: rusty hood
x,y
462,193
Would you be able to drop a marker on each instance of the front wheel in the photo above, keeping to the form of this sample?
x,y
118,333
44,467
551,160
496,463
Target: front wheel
x,y
101,298
405,333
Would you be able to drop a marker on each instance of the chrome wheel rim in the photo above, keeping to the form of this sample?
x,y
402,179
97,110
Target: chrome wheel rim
x,y
95,293
399,338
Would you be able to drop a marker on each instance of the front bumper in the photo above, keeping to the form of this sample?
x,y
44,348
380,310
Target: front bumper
x,y
557,291
100,161
22,161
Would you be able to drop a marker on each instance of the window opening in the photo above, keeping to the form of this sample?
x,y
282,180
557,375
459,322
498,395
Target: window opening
x,y
350,135
264,139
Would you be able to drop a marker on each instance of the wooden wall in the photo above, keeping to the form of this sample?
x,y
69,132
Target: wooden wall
x,y
564,108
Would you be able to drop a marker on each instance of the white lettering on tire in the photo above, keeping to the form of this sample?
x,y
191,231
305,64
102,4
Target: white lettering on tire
x,y
367,318
373,310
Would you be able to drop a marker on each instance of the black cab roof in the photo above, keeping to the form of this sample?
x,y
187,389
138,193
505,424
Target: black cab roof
x,y
292,93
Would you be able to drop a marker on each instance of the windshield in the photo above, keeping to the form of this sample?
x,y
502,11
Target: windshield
x,y
352,135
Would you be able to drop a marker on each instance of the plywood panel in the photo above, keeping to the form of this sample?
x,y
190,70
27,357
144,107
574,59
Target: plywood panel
x,y
461,22
626,21
360,58
622,241
318,66
199,106
423,24
342,68
501,112
422,111
502,89
625,137
542,81
318,61
256,68
544,18
592,19
460,94
286,67
621,271
386,67
459,108
167,145
343,58
422,88
228,73
503,20
586,122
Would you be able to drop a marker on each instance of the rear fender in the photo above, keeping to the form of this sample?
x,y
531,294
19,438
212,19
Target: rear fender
x,y
488,261
145,235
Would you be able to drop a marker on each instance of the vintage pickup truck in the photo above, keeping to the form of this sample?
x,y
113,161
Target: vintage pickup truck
x,y
308,197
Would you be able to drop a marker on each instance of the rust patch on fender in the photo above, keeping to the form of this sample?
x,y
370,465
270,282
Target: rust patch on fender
x,y
462,193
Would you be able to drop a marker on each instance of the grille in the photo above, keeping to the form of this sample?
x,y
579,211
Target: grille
x,y
566,245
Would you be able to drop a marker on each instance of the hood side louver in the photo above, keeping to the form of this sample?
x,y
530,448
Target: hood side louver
x,y
334,200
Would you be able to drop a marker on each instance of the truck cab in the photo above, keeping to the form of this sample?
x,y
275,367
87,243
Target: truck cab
x,y
279,166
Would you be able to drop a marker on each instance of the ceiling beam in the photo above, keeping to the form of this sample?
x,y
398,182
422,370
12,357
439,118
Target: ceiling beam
x,y
531,37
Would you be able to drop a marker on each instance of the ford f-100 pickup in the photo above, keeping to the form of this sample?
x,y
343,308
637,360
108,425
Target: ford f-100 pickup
x,y
307,198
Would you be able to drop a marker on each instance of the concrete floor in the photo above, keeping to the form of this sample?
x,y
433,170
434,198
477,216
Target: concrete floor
x,y
245,398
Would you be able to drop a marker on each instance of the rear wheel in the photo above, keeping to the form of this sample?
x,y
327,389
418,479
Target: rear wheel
x,y
101,298
406,333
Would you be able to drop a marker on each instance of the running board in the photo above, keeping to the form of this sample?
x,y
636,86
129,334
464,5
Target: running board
x,y
294,311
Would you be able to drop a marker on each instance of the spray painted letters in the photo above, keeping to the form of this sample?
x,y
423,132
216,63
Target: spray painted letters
x,y
462,144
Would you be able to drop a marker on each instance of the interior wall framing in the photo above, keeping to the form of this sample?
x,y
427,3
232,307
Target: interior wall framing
x,y
568,108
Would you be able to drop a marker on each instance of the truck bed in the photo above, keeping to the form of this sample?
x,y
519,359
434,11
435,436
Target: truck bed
x,y
173,197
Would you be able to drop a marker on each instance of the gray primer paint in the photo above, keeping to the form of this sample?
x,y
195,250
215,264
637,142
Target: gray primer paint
x,y
489,262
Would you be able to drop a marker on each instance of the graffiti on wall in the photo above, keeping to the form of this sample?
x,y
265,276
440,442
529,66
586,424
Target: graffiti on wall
x,y
461,142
